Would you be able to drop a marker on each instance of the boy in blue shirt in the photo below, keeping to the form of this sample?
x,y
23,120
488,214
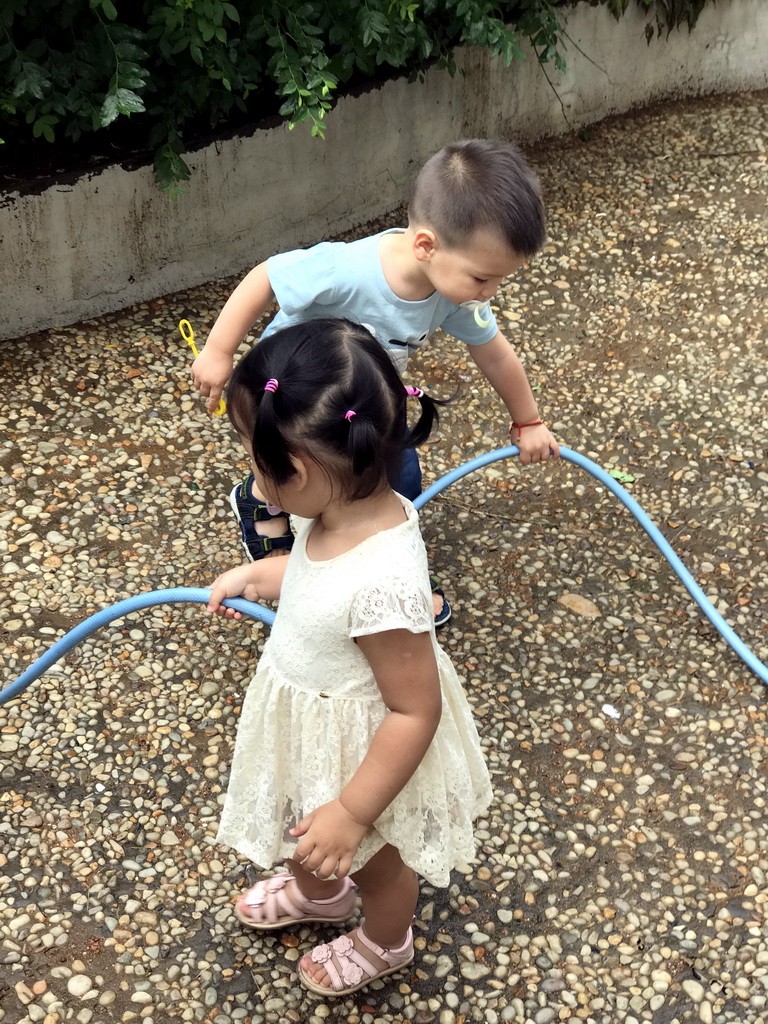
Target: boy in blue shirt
x,y
475,217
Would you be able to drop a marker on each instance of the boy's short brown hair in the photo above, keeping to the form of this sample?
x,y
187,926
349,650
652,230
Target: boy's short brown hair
x,y
477,185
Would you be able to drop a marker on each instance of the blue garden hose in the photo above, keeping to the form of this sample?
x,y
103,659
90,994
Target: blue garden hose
x,y
262,614
175,595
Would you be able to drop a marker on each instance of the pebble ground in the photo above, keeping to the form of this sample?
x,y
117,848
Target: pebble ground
x,y
621,870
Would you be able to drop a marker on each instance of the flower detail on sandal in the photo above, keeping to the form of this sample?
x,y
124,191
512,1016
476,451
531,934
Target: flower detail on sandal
x,y
322,953
353,961
272,885
351,972
271,904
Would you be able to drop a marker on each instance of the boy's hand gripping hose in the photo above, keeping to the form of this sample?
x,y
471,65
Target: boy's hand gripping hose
x,y
257,611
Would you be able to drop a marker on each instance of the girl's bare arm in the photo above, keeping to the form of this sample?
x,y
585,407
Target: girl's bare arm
x,y
406,671
255,581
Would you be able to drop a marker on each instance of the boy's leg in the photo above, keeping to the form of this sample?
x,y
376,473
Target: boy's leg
x,y
407,482
389,891
263,531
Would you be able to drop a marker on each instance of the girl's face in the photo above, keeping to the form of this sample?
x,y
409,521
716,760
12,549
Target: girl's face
x,y
306,494
273,495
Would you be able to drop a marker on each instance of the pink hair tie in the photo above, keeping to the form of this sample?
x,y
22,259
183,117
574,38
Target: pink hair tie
x,y
349,414
271,385
414,392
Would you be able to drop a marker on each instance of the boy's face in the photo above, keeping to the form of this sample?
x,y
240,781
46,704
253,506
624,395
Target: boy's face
x,y
470,273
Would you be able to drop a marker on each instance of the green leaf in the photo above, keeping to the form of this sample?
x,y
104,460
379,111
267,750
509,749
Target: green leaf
x,y
128,102
109,110
33,81
44,126
621,476
129,51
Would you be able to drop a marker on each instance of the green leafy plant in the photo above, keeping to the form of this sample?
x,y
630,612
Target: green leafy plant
x,y
160,72
668,14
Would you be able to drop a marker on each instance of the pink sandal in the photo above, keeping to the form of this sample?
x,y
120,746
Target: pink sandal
x,y
354,961
269,905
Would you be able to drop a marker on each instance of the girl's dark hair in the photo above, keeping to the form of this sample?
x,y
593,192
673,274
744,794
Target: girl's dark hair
x,y
325,369
478,185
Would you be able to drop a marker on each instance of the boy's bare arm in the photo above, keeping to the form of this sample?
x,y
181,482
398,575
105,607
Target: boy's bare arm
x,y
504,371
213,367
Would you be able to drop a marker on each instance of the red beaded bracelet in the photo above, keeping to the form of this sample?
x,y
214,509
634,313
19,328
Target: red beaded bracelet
x,y
519,427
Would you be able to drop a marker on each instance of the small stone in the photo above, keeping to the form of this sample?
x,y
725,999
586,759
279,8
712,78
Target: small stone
x,y
443,966
580,605
141,997
705,1012
79,984
23,993
693,989
474,972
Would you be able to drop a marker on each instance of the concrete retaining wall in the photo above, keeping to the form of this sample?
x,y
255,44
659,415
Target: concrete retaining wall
x,y
76,251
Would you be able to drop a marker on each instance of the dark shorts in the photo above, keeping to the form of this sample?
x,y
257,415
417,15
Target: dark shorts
x,y
407,481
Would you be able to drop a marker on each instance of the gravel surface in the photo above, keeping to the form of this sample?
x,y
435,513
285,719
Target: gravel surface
x,y
621,871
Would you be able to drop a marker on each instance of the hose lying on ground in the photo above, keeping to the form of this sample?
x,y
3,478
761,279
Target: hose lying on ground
x,y
262,614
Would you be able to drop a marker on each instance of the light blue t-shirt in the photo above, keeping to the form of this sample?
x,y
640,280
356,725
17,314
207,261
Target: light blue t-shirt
x,y
345,279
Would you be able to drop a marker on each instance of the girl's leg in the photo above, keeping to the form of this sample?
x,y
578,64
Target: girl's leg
x,y
389,891
294,897
310,886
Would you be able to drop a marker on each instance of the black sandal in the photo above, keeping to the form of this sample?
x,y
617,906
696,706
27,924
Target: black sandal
x,y
249,511
445,612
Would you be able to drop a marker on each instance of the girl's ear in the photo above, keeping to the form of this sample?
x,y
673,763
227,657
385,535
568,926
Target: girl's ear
x,y
301,467
425,244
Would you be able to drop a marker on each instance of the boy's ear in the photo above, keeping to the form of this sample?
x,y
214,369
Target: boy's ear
x,y
425,244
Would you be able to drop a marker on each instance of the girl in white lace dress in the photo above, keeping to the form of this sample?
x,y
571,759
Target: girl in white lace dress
x,y
356,760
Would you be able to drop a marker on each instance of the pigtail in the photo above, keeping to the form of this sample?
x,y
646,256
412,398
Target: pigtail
x,y
258,405
427,421
267,435
363,442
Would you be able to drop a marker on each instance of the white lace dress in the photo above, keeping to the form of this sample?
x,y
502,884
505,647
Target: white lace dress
x,y
312,709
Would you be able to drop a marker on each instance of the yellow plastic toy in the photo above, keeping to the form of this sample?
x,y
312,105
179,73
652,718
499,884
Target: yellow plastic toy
x,y
185,330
